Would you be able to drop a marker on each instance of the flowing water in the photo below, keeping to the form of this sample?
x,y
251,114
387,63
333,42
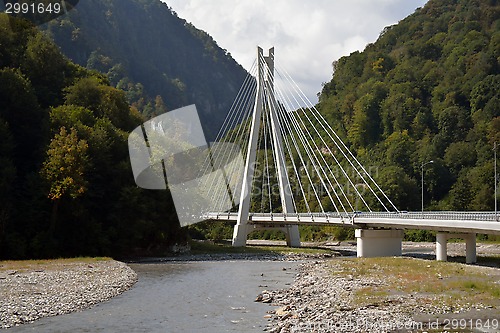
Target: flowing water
x,y
208,296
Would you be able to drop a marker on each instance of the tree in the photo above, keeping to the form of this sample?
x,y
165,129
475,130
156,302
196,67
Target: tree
x,y
454,123
459,155
104,101
399,148
399,187
19,108
46,67
64,168
461,192
7,177
365,128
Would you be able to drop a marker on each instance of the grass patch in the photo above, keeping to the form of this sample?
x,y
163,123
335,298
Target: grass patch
x,y
435,282
24,265
479,286
371,294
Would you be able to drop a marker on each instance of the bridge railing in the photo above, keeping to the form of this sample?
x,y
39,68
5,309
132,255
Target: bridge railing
x,y
327,214
433,215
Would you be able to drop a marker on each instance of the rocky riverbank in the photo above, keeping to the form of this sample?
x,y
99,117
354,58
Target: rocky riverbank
x,y
285,256
354,296
318,303
31,291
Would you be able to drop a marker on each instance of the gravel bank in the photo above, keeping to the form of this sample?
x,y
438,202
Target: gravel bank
x,y
320,302
28,294
290,256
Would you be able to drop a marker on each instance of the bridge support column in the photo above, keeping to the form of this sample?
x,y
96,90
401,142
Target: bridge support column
x,y
470,249
442,246
240,234
379,243
292,235
265,101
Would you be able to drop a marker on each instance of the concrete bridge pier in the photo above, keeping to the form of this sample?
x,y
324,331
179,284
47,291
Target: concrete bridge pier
x,y
240,234
292,235
379,243
442,245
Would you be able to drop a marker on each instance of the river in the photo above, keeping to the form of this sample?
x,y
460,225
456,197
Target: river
x,y
206,296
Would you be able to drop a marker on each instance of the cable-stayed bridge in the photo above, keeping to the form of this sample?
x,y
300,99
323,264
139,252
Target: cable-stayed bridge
x,y
296,170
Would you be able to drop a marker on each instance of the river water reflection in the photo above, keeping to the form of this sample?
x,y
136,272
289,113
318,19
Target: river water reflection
x,y
208,296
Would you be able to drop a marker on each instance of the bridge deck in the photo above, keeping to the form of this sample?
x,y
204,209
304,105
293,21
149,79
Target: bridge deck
x,y
478,222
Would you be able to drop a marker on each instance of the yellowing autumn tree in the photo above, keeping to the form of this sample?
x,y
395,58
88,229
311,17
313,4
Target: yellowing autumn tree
x,y
65,165
64,168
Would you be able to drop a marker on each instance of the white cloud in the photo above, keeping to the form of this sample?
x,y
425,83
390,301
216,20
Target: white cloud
x,y
307,35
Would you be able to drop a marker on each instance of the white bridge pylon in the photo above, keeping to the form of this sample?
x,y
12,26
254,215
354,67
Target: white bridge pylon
x,y
295,161
298,170
265,101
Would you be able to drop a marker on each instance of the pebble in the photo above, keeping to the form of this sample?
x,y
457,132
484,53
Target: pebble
x,y
285,257
31,295
321,302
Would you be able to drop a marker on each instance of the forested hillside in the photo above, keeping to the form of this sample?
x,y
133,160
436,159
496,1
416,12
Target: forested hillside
x,y
427,90
66,187
160,60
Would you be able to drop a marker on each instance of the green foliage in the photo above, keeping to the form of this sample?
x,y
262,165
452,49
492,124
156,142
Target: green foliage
x,y
20,109
420,236
66,165
399,187
46,68
365,128
317,233
66,183
147,51
427,89
267,234
102,100
211,230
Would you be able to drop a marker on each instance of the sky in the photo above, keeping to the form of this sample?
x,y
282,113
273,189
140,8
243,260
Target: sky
x,y
308,35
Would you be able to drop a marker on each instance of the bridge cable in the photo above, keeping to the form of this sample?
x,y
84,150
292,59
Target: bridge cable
x,y
235,137
347,149
297,149
237,115
337,162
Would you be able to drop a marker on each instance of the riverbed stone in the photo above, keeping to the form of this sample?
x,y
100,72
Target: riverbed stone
x,y
29,295
319,301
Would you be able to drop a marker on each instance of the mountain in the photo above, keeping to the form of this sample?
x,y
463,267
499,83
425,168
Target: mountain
x,y
66,184
427,90
159,59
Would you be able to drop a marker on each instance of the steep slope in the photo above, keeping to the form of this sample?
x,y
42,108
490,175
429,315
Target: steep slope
x,y
147,50
427,89
66,184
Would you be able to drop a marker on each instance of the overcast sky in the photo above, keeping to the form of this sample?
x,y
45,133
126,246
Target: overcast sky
x,y
307,34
